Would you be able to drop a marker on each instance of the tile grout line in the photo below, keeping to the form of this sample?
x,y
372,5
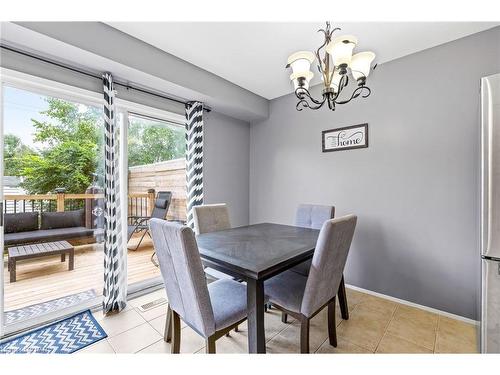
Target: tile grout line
x,y
437,333
347,339
386,328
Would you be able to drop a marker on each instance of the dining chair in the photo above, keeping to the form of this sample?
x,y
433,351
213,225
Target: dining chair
x,y
313,216
210,310
211,218
303,297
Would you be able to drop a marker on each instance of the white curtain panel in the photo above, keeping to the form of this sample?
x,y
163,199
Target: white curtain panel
x,y
194,157
115,261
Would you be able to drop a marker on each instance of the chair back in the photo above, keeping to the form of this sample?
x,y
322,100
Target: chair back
x,y
183,274
313,216
211,218
162,203
328,263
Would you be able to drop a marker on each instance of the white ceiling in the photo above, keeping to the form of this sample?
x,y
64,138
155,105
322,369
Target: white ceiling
x,y
253,54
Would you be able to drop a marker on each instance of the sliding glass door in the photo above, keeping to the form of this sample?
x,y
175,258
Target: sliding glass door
x,y
156,187
52,185
52,201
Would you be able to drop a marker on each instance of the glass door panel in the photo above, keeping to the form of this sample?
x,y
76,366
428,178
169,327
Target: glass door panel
x,y
53,202
156,154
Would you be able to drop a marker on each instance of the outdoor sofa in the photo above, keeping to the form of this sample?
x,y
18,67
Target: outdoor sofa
x,y
32,227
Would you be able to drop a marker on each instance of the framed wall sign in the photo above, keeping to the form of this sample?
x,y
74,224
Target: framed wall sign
x,y
346,138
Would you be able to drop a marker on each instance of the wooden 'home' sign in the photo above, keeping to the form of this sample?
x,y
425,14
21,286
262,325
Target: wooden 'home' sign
x,y
346,138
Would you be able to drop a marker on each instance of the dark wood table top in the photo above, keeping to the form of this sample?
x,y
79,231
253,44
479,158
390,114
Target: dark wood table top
x,y
257,251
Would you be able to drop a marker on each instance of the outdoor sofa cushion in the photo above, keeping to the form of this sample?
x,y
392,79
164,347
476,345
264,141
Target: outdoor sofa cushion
x,y
66,219
20,222
46,235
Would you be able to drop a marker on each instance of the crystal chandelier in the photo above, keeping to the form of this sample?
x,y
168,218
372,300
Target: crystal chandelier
x,y
335,66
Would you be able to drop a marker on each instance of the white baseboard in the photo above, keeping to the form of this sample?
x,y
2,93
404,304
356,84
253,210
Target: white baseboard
x,y
412,304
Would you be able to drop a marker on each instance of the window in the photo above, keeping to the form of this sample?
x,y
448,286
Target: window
x,y
152,141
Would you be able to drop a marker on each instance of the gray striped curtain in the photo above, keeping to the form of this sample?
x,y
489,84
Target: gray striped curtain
x,y
115,262
194,157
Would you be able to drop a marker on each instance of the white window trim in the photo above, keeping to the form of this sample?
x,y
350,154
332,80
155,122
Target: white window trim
x,y
42,86
48,87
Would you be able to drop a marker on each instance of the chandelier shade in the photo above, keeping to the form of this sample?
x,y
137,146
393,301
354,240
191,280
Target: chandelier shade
x,y
301,61
341,49
335,65
361,64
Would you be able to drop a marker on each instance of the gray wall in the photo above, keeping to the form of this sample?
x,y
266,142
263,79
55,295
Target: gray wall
x,y
226,164
415,189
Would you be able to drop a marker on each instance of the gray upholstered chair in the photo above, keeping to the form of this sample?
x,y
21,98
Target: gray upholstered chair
x,y
212,218
210,310
313,216
303,297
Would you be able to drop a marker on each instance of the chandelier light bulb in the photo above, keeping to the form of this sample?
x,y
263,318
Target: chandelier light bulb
x,y
301,79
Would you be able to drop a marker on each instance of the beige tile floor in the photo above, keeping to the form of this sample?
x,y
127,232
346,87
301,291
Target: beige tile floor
x,y
376,325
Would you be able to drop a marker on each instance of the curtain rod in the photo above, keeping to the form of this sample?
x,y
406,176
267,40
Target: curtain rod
x,y
76,70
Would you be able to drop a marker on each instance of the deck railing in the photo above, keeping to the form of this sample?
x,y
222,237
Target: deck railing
x,y
139,204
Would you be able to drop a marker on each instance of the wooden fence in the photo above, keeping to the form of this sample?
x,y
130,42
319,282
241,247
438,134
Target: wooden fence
x,y
163,176
143,184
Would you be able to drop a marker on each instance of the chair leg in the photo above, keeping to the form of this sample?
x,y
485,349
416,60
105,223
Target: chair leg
x,y
284,317
176,333
210,345
304,335
142,237
167,336
344,309
332,329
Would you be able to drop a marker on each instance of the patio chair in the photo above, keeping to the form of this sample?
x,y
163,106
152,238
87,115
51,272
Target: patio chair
x,y
140,224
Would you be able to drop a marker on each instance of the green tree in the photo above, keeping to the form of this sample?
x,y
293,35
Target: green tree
x,y
70,139
154,142
14,150
70,151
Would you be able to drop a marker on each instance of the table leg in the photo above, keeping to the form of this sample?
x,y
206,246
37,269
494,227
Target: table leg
x,y
12,262
63,257
255,310
71,259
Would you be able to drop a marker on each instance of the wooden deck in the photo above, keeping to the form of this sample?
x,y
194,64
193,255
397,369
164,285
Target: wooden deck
x,y
44,279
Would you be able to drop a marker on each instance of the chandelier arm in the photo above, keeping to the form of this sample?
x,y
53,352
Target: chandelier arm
x,y
301,93
356,93
301,104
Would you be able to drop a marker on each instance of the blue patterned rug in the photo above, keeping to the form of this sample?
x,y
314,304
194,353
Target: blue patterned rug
x,y
63,337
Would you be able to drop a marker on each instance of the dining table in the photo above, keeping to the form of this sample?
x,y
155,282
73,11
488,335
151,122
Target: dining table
x,y
255,253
